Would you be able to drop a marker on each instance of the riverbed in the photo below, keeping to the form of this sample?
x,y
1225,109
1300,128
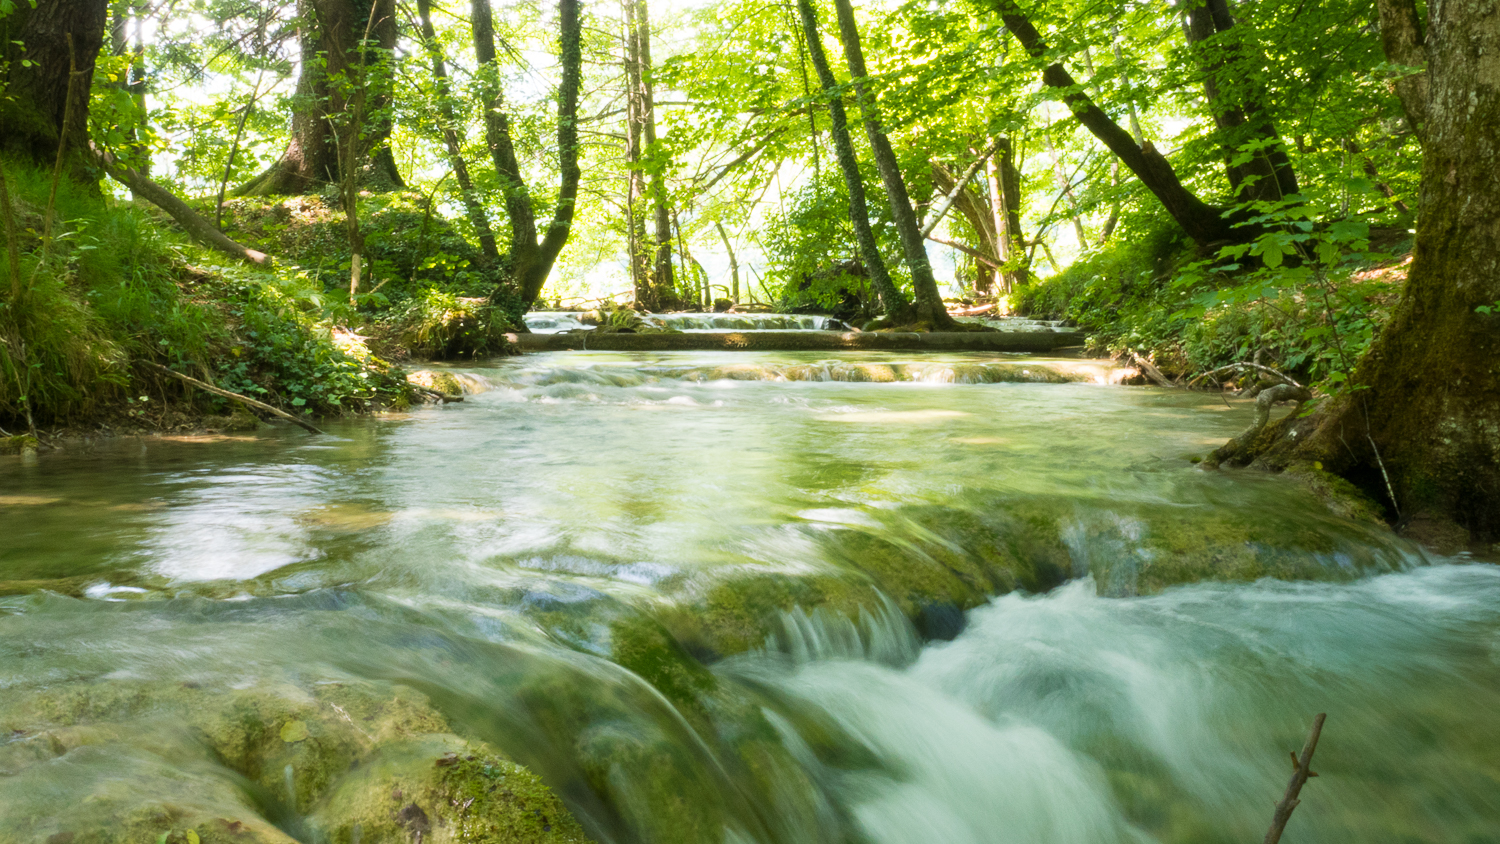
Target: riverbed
x,y
744,598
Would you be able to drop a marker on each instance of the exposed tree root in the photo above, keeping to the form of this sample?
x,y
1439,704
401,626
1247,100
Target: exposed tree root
x,y
1250,443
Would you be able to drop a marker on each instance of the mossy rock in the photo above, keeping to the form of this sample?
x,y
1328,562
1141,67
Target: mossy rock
x,y
152,759
441,788
238,419
440,382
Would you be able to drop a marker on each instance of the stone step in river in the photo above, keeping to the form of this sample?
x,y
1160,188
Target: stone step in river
x,y
715,597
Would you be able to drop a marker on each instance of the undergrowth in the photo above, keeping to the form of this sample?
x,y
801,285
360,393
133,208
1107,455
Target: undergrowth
x,y
1305,297
106,285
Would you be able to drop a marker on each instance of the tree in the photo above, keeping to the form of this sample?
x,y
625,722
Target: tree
x,y
1421,428
929,302
1230,82
337,39
892,302
1204,223
450,128
531,260
45,105
645,180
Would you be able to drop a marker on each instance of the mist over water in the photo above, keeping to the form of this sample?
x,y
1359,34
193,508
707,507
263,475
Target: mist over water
x,y
572,566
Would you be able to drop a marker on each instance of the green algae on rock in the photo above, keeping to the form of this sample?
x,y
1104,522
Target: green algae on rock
x,y
441,788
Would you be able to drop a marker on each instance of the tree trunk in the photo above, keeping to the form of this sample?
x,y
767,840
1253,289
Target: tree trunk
x,y
473,203
893,304
646,179
1005,192
1429,416
1202,222
530,261
330,35
635,176
34,42
929,302
1268,176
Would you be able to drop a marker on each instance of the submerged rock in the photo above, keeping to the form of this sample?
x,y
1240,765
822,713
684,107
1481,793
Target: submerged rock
x,y
116,761
441,788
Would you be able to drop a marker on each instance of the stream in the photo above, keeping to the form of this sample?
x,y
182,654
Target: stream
x,y
735,598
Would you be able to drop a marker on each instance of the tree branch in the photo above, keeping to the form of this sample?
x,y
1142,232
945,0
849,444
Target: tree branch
x,y
196,225
958,187
258,405
1300,773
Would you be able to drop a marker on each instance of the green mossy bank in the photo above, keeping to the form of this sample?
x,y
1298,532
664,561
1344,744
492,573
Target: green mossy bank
x,y
105,288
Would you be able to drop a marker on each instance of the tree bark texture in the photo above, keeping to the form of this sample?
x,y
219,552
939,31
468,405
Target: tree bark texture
x,y
1202,222
929,302
1237,104
330,36
1429,417
449,126
33,112
531,261
893,304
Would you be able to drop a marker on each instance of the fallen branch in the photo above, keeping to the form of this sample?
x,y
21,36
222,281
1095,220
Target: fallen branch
x,y
1150,370
1268,398
1282,377
246,400
196,225
1300,773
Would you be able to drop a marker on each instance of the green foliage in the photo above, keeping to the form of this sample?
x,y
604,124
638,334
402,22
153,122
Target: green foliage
x,y
1300,296
440,324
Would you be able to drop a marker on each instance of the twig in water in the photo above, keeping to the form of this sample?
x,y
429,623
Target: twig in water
x,y
258,405
1283,377
1301,772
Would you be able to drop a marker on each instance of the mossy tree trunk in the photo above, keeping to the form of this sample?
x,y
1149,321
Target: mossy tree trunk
x,y
1427,414
331,34
34,42
892,303
929,302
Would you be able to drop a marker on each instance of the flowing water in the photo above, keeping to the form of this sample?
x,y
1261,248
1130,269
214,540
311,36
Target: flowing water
x,y
750,598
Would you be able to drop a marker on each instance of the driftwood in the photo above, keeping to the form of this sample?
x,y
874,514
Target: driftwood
x,y
1301,771
246,400
197,226
1150,371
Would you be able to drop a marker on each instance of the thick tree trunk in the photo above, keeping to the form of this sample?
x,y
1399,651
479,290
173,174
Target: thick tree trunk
x,y
893,304
1202,222
1240,115
929,302
1429,416
531,261
34,42
449,126
330,36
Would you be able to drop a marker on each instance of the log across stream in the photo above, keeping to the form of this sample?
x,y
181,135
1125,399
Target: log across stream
x,y
731,597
